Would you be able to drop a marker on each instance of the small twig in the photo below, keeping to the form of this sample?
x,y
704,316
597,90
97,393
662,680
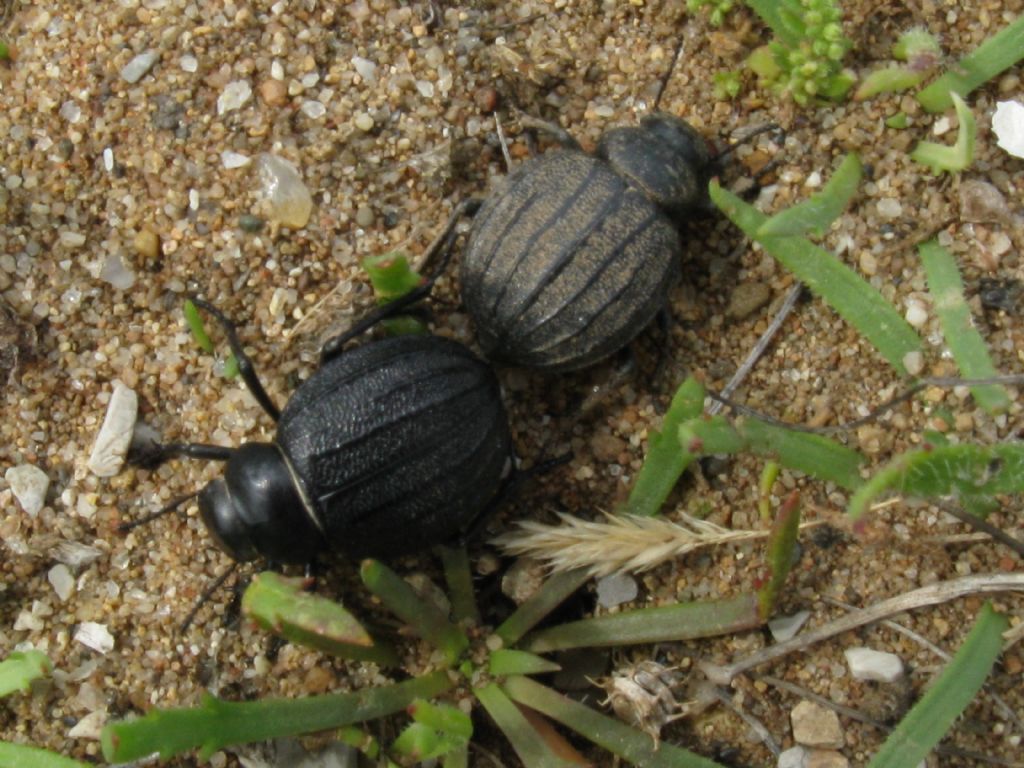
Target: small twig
x,y
981,524
946,382
933,594
504,143
752,722
757,351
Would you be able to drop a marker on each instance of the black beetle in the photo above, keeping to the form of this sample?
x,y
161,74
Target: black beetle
x,y
388,448
575,254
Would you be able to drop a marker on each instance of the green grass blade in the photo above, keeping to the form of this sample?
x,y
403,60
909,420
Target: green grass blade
x,y
929,720
442,718
21,756
781,551
816,214
280,605
459,577
665,462
814,455
966,344
620,739
528,743
20,668
996,54
552,593
425,619
972,472
943,158
508,661
664,623
195,324
888,80
845,291
216,724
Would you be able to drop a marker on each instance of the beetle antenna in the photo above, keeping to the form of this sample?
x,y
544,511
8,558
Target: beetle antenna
x,y
766,128
207,594
668,73
169,507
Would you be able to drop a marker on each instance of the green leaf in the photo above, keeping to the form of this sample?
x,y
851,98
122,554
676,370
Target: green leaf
x,y
280,605
551,594
425,619
845,291
459,578
930,719
915,42
996,54
528,743
442,718
21,756
195,324
20,668
508,661
898,122
5,51
664,623
216,724
420,742
665,462
816,214
966,344
973,473
940,157
620,739
781,551
888,80
391,275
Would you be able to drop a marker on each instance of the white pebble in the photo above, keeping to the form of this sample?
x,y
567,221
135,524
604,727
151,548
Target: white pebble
x,y
90,726
28,620
234,159
234,95
291,204
71,239
1008,126
785,627
793,758
139,66
277,71
188,63
363,122
913,362
95,636
889,208
74,554
70,111
29,485
312,109
916,315
616,589
942,125
426,88
866,664
108,159
116,433
61,580
115,272
366,69
813,180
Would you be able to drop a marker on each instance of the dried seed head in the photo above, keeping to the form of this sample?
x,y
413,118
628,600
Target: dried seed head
x,y
644,695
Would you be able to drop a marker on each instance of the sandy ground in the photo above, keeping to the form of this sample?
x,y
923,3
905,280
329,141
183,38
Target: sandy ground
x,y
386,113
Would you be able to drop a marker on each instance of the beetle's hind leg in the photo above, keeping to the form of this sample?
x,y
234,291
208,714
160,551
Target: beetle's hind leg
x,y
440,250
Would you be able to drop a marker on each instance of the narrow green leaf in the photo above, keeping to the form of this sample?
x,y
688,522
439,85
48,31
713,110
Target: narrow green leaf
x,y
459,577
665,462
816,214
216,724
442,718
391,275
915,43
996,54
280,605
966,344
20,668
630,744
940,157
971,472
898,122
783,18
930,719
195,324
665,623
21,756
768,476
781,551
531,747
846,292
425,619
888,80
508,661
552,593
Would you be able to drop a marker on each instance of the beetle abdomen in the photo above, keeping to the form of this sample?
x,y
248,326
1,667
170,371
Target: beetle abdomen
x,y
566,264
398,444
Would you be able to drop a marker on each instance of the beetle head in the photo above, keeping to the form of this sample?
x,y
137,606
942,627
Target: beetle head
x,y
256,509
665,158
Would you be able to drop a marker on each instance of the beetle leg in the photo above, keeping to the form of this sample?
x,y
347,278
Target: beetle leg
x,y
245,367
441,249
155,454
555,131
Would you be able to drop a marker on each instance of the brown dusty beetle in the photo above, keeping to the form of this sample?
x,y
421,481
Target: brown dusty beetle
x,y
575,254
388,448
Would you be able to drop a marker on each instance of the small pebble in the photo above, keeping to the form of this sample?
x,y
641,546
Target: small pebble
x,y
866,664
188,63
523,579
982,203
61,580
147,245
95,636
290,201
115,435
108,159
747,298
616,589
273,92
116,273
916,315
1008,126
234,159
364,216
785,627
234,96
366,69
29,485
250,223
312,109
363,122
74,554
913,362
90,726
889,208
816,726
134,70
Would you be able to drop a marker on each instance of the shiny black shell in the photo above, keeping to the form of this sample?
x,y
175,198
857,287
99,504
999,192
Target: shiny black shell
x,y
397,445
566,263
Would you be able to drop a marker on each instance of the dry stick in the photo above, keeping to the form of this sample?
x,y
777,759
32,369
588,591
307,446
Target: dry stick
x,y
933,594
754,724
982,525
757,351
926,643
